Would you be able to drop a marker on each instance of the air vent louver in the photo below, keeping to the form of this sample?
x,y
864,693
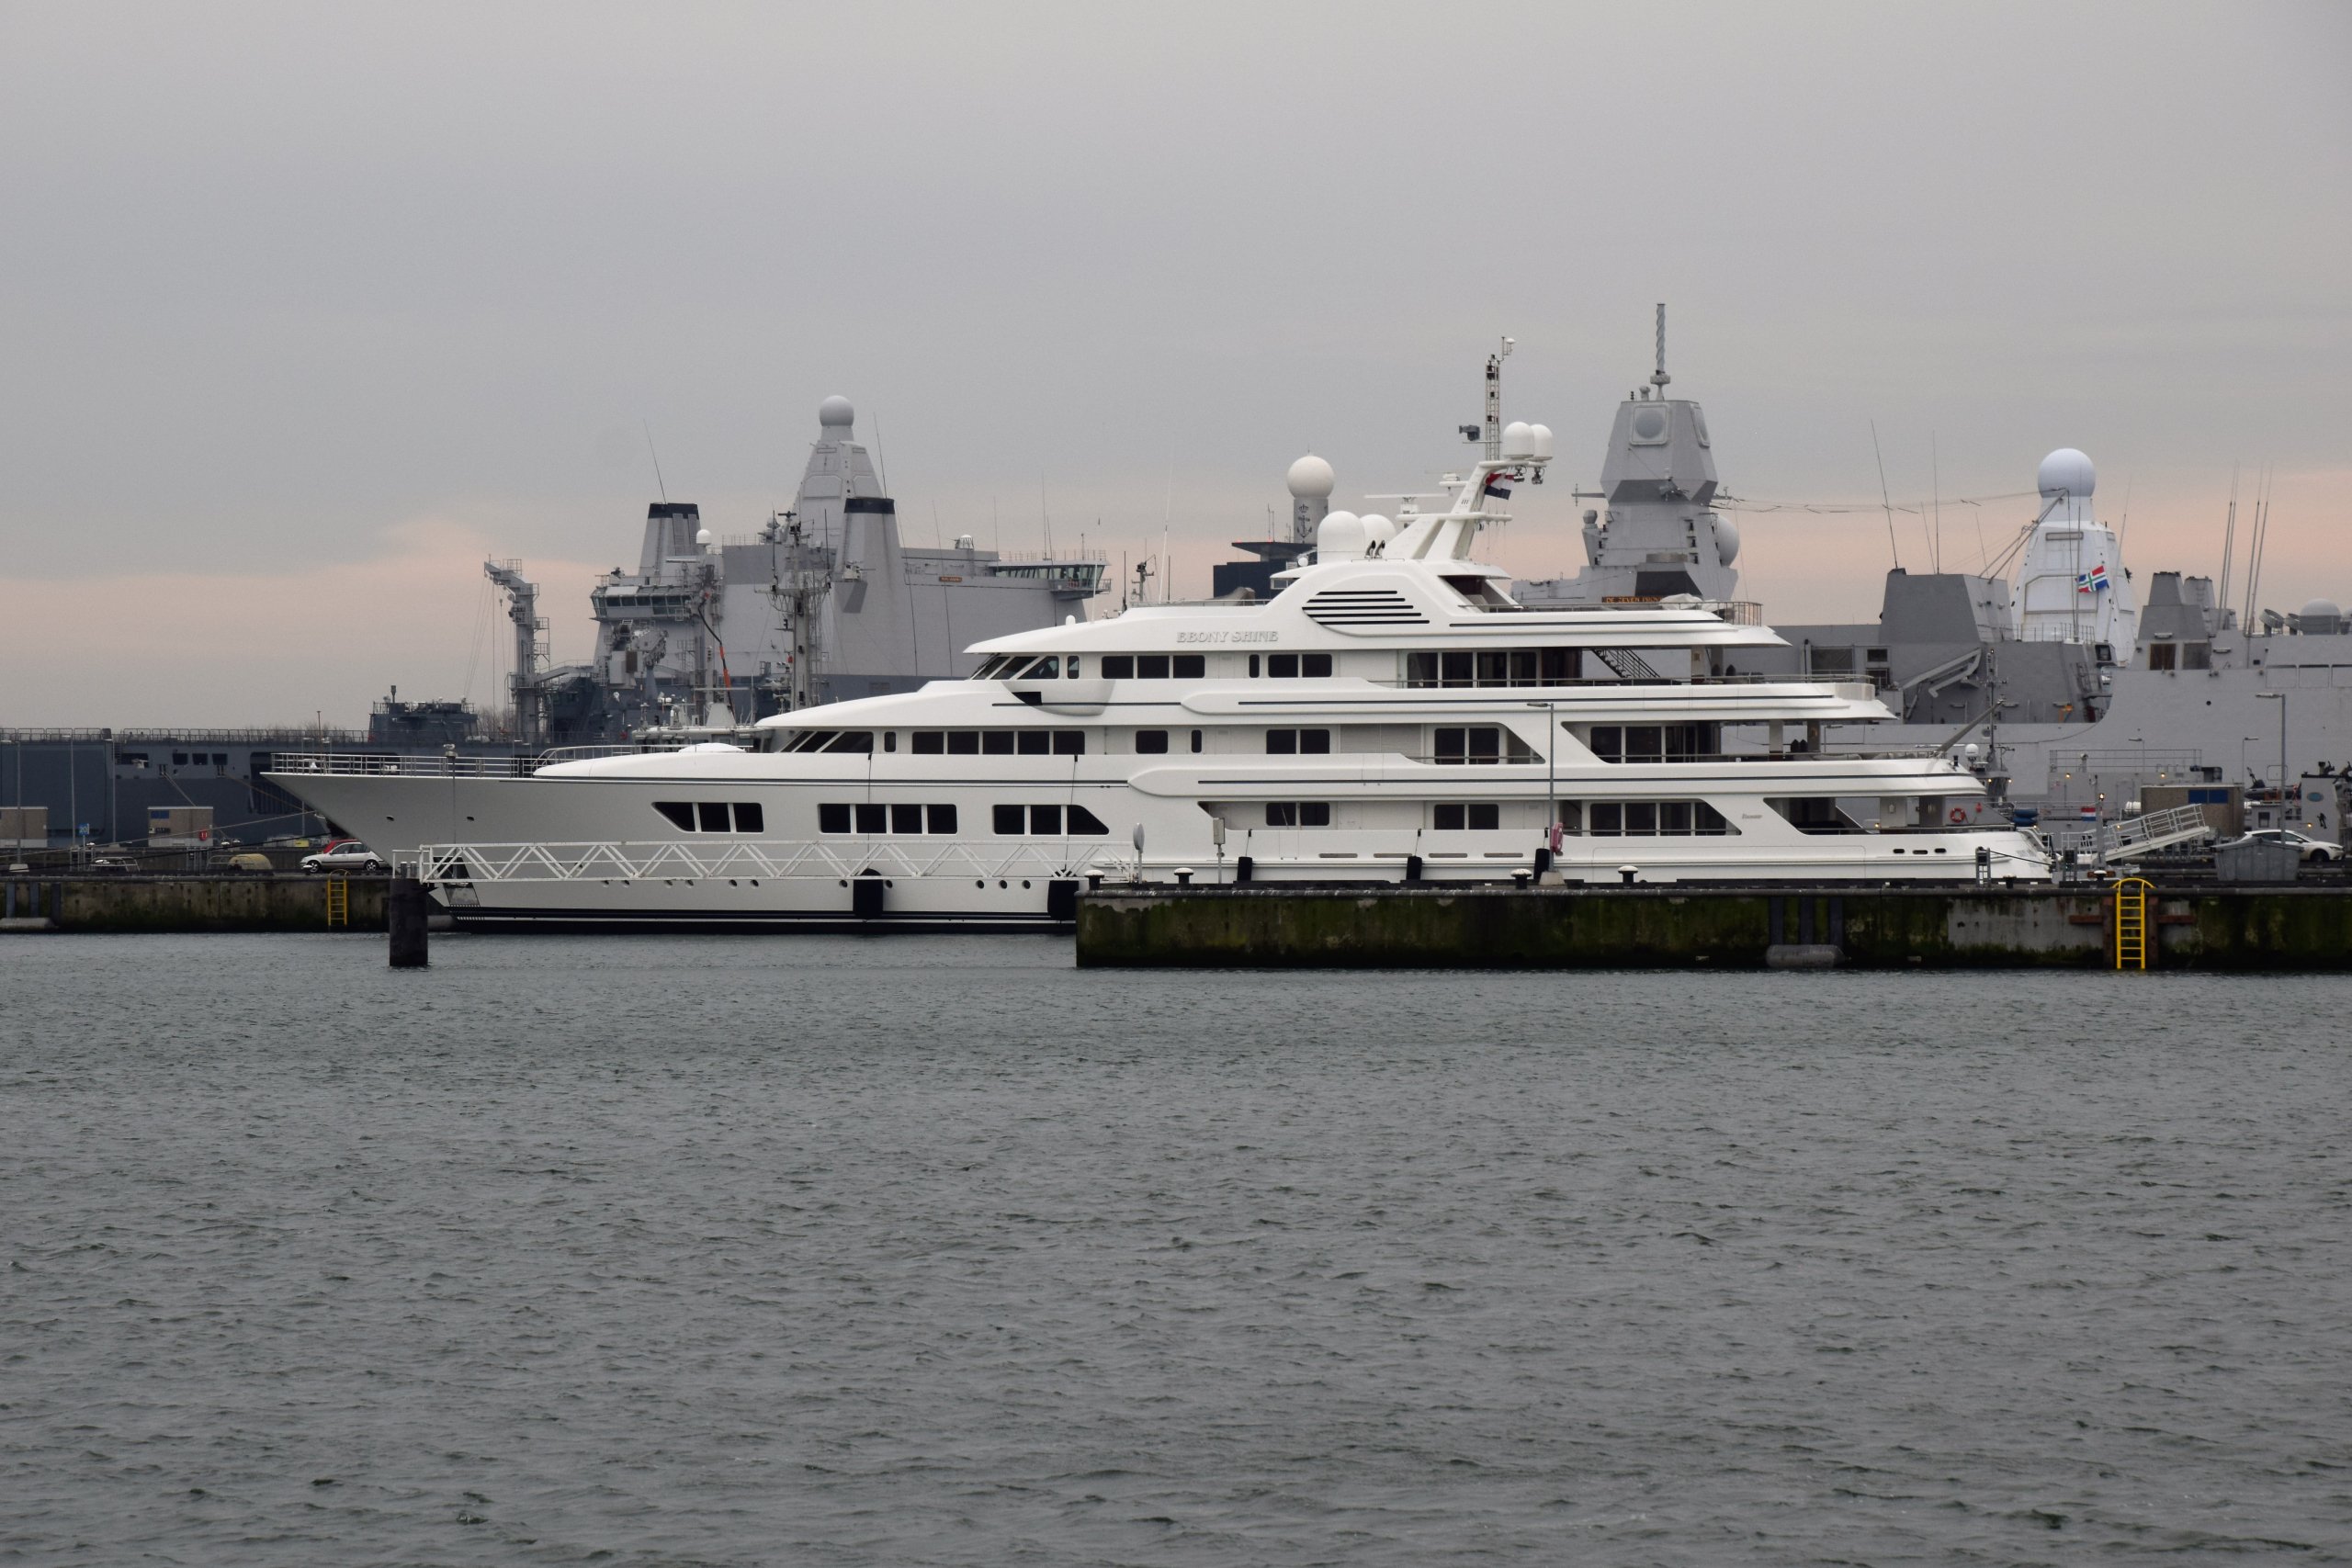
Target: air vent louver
x,y
1363,607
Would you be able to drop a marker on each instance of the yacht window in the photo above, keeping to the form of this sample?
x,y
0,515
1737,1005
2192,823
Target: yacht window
x,y
928,742
1663,818
963,742
1075,665
1298,814
1009,819
1196,740
996,742
1314,665
1151,741
1151,667
1012,665
1481,815
1192,666
1282,666
1119,667
1296,742
810,740
833,818
941,818
680,813
1457,667
1034,742
1085,824
716,818
1253,667
1493,669
1046,668
1641,817
749,818
873,818
906,819
1070,743
1046,820
889,740
1478,743
1559,665
1829,660
1420,669
852,740
1644,743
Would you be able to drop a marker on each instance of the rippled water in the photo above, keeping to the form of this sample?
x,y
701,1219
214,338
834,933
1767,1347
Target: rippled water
x,y
837,1251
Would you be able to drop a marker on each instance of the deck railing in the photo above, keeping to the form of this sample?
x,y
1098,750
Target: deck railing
x,y
752,860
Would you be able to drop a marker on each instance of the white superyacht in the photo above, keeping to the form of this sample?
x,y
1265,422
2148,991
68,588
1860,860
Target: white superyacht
x,y
1390,715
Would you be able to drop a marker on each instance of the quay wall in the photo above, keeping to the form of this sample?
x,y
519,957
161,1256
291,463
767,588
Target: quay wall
x,y
194,903
2208,928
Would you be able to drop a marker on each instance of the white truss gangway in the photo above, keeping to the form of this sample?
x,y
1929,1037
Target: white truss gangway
x,y
2137,836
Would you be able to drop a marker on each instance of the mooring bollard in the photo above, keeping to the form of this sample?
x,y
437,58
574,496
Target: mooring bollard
x,y
405,912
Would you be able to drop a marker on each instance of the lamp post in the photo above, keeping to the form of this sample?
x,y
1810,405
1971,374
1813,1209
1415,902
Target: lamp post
x,y
1551,773
2244,741
2281,698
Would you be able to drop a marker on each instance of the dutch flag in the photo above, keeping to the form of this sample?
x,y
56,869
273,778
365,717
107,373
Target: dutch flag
x,y
2092,581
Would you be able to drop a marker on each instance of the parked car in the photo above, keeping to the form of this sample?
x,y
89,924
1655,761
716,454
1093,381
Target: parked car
x,y
114,863
249,861
348,855
2315,852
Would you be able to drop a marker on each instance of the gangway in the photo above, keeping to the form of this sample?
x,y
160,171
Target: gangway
x,y
2137,836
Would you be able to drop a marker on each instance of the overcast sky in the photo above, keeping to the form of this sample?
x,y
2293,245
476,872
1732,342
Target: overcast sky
x,y
305,308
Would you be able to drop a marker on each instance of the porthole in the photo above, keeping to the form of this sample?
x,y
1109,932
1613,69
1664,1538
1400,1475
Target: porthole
x,y
1024,884
981,883
1001,883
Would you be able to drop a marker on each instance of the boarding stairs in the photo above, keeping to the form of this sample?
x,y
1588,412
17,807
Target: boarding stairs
x,y
2107,842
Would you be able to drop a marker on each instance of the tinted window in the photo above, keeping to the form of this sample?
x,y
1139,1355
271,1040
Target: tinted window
x,y
1192,666
929,743
1009,819
1151,740
716,818
1196,740
1282,666
872,817
1315,814
832,820
1315,741
997,742
1045,818
1282,814
963,742
853,740
1152,667
1486,816
1456,667
1070,742
942,818
749,818
1313,665
1282,742
1034,742
680,813
1083,821
906,819
1446,818
1046,668
1119,667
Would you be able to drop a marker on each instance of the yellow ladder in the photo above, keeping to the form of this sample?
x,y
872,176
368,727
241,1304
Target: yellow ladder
x,y
2131,922
338,900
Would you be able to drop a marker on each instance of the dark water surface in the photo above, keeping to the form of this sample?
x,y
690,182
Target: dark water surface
x,y
834,1251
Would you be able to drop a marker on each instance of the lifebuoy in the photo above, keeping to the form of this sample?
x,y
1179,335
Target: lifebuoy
x,y
1958,815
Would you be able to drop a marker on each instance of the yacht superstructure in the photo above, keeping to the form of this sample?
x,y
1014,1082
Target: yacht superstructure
x,y
1391,714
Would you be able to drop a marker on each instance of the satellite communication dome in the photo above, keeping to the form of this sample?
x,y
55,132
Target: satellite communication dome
x,y
702,537
1339,537
1541,435
2069,472
1519,439
2321,610
1311,477
1377,530
835,412
1726,540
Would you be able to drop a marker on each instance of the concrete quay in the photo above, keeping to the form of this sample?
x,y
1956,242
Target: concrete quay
x,y
2202,927
121,902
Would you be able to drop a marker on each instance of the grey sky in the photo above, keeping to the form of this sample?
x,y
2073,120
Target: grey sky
x,y
302,308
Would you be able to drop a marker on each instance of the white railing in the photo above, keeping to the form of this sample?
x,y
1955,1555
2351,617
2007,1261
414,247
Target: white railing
x,y
744,859
2135,835
425,764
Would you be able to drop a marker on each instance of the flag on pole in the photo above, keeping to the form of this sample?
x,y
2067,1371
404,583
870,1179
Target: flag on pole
x,y
1499,485
2092,581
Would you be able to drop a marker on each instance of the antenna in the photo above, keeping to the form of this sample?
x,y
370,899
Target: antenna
x,y
658,483
1882,499
2229,542
1658,378
1167,522
1936,490
881,470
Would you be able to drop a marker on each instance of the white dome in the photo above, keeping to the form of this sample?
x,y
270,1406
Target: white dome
x,y
1726,540
2321,610
1541,434
835,412
2069,472
1519,439
1377,530
1311,477
702,537
1341,537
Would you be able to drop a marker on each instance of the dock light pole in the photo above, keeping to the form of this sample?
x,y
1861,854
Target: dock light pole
x,y
2281,698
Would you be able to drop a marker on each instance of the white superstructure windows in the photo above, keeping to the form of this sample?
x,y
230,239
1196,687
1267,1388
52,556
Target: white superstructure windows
x,y
1155,666
1298,666
1298,814
1048,822
1151,742
999,742
713,815
1656,742
1653,819
1476,744
1495,667
1477,815
872,817
831,740
1298,742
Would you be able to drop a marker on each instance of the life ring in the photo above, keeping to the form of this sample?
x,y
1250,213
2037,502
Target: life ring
x,y
1957,815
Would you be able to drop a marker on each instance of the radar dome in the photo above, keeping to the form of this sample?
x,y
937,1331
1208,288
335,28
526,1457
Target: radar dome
x,y
1341,537
2321,610
1519,439
1311,477
702,537
1377,530
1542,438
835,412
2067,471
1726,540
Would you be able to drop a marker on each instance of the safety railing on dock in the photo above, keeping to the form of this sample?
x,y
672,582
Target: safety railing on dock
x,y
976,858
2135,836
